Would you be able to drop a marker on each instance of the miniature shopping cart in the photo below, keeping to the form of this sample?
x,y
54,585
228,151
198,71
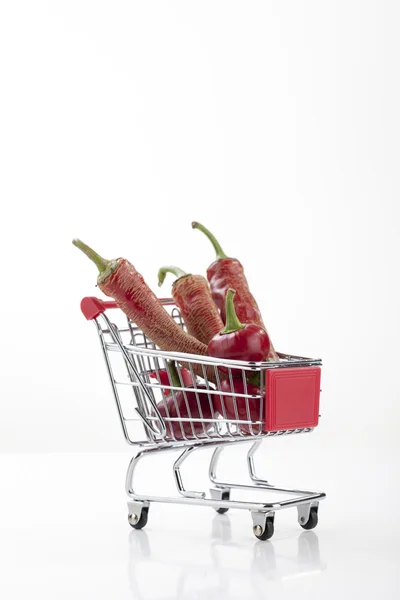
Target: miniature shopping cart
x,y
204,408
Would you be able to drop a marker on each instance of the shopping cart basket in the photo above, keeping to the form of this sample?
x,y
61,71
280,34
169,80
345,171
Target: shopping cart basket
x,y
174,401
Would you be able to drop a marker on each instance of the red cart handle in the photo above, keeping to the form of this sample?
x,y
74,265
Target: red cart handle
x,y
93,307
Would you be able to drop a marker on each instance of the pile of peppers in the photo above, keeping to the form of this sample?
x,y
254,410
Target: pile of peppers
x,y
222,319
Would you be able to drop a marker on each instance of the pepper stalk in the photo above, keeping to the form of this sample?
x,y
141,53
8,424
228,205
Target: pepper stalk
x,y
162,273
217,246
105,267
232,322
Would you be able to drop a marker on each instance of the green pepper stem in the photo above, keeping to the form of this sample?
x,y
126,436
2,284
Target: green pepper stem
x,y
169,269
232,322
101,263
217,246
254,379
173,373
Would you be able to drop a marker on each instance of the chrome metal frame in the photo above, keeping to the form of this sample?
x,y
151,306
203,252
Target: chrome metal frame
x,y
179,422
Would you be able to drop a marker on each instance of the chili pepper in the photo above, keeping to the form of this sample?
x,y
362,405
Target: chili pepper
x,y
119,279
237,341
225,273
193,297
186,405
225,404
162,377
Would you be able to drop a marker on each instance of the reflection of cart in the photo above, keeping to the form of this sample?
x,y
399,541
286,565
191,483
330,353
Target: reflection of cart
x,y
205,410
225,567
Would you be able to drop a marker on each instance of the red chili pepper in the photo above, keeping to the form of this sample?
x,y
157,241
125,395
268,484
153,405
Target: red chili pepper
x,y
186,405
193,297
248,342
162,377
225,273
120,280
228,403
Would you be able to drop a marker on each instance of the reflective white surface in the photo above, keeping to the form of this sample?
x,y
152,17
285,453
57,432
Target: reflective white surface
x,y
63,534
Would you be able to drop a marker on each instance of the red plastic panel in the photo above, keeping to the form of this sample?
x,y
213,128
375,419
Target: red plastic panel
x,y
292,398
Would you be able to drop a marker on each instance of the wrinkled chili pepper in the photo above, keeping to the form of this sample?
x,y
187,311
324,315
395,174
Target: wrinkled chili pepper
x,y
119,279
248,342
193,297
225,273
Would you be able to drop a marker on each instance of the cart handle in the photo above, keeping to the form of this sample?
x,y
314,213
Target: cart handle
x,y
93,307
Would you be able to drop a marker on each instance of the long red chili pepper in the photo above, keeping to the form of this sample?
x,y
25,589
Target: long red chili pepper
x,y
225,404
120,280
162,377
186,405
248,342
225,273
193,297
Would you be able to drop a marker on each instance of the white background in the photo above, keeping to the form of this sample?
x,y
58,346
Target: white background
x,y
277,125
274,123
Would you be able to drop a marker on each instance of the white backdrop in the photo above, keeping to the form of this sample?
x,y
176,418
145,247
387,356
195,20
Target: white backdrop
x,y
274,123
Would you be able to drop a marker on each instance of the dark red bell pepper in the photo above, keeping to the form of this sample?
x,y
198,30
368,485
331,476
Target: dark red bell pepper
x,y
193,297
225,273
248,342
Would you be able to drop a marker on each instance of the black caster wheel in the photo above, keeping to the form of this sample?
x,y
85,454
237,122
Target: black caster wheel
x,y
224,496
142,521
312,519
268,530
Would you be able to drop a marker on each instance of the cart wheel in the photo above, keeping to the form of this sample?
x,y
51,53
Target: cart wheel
x,y
142,521
268,530
312,519
224,496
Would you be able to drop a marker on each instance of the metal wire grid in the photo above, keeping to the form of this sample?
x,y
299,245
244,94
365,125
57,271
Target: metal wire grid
x,y
182,415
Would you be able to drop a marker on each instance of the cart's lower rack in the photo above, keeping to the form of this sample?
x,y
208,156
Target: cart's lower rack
x,y
263,513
